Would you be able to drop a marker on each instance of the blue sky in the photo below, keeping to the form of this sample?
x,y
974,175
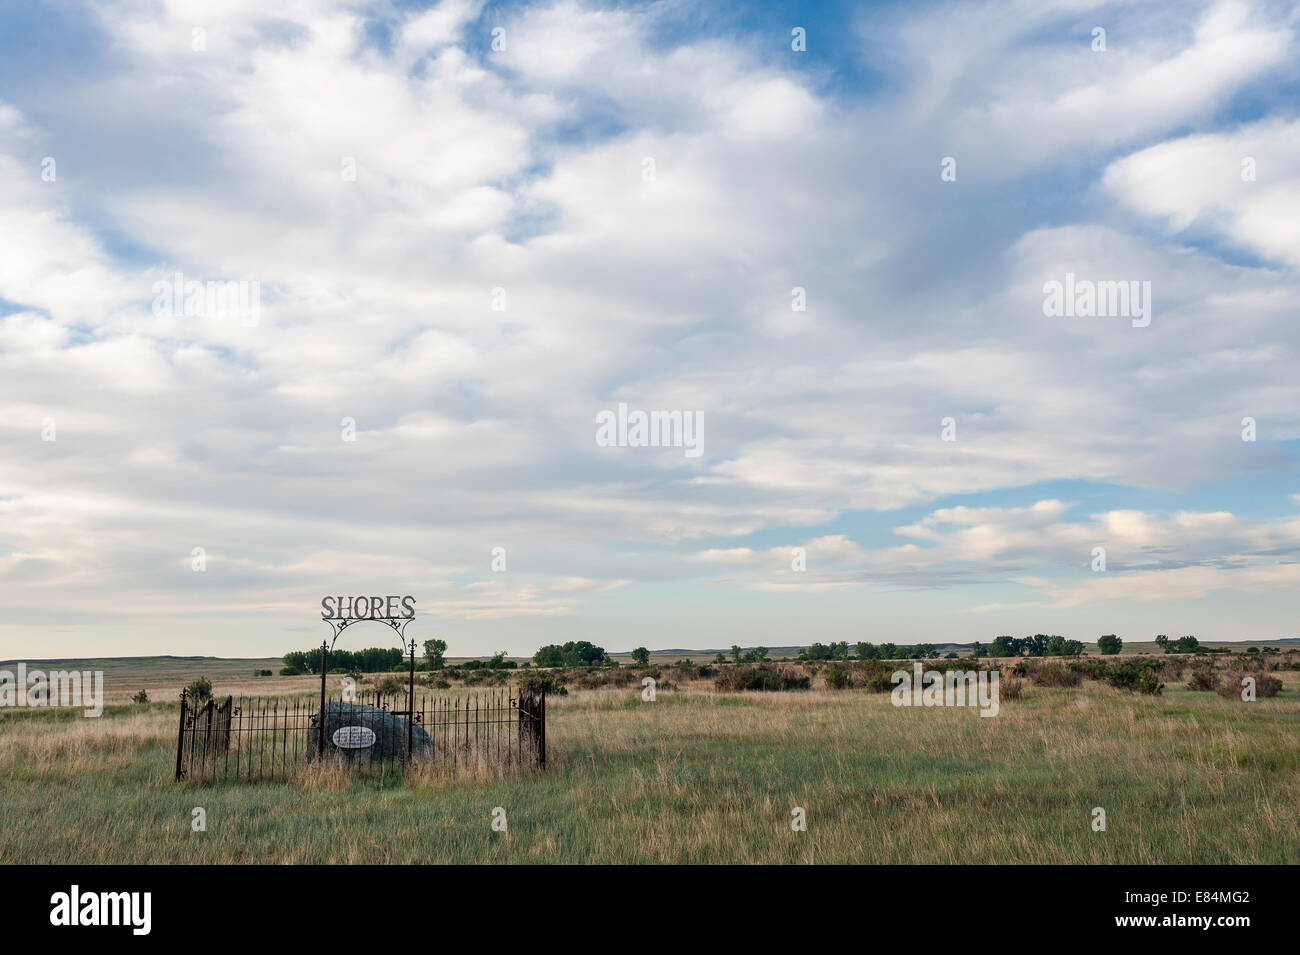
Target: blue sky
x,y
471,250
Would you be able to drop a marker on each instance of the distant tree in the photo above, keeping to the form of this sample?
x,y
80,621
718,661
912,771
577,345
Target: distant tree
x,y
433,653
1162,641
977,649
369,660
641,656
1036,646
888,651
736,653
572,654
141,697
1110,644
822,651
551,655
1004,646
303,662
865,651
719,659
756,655
924,651
586,652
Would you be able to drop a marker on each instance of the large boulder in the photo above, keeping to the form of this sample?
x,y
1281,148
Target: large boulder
x,y
360,733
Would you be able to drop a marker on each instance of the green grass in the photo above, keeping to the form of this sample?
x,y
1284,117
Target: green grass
x,y
702,777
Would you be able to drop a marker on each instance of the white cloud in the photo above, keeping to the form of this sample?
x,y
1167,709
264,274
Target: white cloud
x,y
522,170
1198,181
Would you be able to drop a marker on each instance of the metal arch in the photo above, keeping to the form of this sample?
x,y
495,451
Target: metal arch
x,y
397,624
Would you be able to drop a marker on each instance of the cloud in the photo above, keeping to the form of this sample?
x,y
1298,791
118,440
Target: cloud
x,y
519,178
1242,185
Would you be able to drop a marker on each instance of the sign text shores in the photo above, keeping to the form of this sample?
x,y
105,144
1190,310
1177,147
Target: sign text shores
x,y
368,608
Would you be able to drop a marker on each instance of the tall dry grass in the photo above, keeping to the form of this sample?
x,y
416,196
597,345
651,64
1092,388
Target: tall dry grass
x,y
703,776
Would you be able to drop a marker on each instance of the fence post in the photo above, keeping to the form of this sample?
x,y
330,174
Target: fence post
x,y
320,728
180,736
410,710
541,745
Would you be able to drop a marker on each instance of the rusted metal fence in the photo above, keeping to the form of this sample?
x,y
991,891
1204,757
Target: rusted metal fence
x,y
250,739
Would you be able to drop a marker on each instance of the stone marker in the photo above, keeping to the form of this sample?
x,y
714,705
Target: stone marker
x,y
360,733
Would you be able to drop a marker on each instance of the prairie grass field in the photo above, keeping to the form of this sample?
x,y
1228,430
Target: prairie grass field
x,y
697,776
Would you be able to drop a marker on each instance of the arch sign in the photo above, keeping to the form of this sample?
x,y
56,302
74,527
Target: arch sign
x,y
343,612
393,611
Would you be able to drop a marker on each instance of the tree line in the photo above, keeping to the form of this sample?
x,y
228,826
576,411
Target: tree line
x,y
583,653
1039,645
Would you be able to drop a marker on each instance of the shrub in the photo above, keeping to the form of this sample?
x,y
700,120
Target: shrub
x,y
1251,664
389,685
762,677
1147,682
199,691
1134,677
1203,677
141,697
595,679
837,678
1268,686
1230,688
1054,674
875,677
551,683
1170,667
290,671
1094,669
1010,689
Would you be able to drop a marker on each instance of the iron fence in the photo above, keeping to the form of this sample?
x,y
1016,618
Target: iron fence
x,y
259,738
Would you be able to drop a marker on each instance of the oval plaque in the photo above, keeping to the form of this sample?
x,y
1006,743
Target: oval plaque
x,y
354,737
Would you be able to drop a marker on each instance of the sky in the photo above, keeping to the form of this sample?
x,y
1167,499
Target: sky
x,y
825,234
